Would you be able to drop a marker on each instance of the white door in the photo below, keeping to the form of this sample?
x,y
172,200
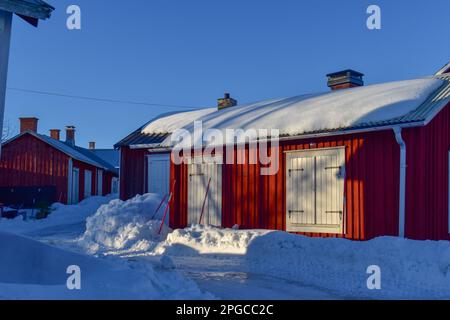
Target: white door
x,y
315,190
75,186
100,182
114,185
199,174
158,174
87,183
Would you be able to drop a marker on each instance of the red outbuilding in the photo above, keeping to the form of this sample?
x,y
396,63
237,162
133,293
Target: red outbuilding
x,y
39,168
358,162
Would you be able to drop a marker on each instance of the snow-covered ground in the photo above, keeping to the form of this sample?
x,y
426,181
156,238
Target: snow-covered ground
x,y
36,255
122,255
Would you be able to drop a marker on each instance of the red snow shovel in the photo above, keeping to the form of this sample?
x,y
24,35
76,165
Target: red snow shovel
x,y
204,202
167,207
159,207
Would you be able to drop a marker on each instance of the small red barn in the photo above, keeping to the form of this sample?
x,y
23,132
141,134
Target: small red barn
x,y
358,162
36,167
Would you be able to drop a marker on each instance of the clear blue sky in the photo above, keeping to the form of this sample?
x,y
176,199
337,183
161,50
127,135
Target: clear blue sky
x,y
188,53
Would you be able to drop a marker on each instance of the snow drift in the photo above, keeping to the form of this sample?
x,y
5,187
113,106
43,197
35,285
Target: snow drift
x,y
125,225
32,270
409,269
61,215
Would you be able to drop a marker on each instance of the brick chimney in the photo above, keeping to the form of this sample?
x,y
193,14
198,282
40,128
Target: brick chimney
x,y
55,134
92,145
226,102
345,79
70,135
28,124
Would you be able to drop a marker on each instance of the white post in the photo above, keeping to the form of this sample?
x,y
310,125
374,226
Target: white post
x,y
5,37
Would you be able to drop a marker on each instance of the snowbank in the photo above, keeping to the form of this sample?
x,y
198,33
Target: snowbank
x,y
32,270
61,215
125,225
409,269
205,239
308,113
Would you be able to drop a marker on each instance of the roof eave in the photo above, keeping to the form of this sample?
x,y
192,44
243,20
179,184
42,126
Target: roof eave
x,y
41,11
328,133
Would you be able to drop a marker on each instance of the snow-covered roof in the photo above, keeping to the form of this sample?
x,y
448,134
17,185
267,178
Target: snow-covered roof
x,y
109,155
370,106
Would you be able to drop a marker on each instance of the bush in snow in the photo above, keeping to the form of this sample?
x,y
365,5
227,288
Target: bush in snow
x,y
125,225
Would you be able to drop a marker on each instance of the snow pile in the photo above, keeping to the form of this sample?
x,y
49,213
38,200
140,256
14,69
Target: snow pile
x,y
206,239
125,225
32,270
306,113
61,215
409,269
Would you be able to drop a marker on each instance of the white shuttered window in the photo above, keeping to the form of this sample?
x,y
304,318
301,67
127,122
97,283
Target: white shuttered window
x,y
315,190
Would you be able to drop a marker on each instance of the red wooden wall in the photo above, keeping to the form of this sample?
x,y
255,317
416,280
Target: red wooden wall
x,y
29,162
132,172
82,167
107,180
427,177
254,201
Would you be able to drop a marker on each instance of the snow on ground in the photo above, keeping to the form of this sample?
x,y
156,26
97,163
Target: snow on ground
x,y
205,239
32,270
66,217
122,256
130,225
410,269
306,113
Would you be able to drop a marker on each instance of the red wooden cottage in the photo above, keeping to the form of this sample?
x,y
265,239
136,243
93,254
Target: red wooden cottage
x,y
358,162
40,168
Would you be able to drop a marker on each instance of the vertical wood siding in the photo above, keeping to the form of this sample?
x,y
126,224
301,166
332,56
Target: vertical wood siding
x,y
29,162
133,169
255,201
427,186
83,167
